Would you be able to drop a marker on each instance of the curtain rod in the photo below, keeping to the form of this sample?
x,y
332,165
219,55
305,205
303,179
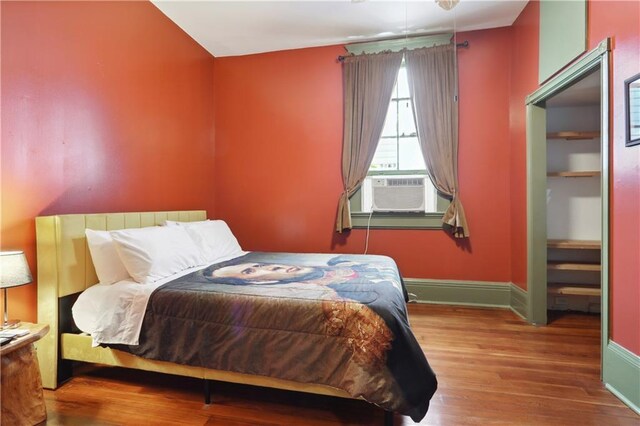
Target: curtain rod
x,y
463,44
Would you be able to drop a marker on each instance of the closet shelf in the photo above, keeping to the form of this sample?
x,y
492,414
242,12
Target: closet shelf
x,y
591,173
573,136
574,244
573,266
574,289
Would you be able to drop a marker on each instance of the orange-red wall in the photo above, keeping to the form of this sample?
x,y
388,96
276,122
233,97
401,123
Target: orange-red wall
x,y
620,20
524,80
278,156
106,106
110,107
291,101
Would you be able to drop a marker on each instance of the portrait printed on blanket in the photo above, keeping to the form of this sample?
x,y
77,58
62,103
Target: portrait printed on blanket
x,y
342,284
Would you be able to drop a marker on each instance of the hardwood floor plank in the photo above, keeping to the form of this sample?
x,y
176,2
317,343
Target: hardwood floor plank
x,y
493,369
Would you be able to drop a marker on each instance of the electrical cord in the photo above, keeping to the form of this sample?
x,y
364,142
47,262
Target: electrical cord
x,y
366,241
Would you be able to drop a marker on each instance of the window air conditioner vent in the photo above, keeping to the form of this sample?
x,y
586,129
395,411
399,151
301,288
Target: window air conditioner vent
x,y
398,194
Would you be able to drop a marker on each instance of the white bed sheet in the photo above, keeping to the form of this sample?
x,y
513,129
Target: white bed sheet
x,y
114,313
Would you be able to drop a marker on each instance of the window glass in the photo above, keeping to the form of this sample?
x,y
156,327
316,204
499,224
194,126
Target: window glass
x,y
397,157
398,149
410,155
391,122
406,123
403,84
386,156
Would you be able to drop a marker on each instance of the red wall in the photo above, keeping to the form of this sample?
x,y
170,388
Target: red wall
x,y
278,156
524,80
109,106
106,106
620,20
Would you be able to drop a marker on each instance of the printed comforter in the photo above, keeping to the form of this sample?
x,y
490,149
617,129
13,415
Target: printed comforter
x,y
334,320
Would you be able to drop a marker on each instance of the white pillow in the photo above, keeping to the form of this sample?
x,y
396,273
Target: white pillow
x,y
214,239
153,253
109,267
176,223
86,308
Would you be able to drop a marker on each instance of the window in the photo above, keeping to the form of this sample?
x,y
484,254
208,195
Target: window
x,y
398,164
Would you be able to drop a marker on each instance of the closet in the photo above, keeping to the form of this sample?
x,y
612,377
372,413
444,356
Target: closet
x,y
573,197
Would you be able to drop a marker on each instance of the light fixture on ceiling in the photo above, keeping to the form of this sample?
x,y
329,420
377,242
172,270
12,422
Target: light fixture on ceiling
x,y
447,4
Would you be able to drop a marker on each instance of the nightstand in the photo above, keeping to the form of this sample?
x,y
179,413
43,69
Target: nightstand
x,y
21,386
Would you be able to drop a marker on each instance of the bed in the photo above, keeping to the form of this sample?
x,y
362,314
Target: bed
x,y
65,270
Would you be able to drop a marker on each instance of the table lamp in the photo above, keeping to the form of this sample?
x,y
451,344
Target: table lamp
x,y
14,271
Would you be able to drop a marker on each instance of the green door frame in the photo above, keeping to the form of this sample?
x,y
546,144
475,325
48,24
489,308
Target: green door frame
x,y
536,214
537,182
620,370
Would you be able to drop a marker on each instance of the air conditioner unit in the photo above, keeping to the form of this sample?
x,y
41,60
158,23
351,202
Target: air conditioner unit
x,y
398,194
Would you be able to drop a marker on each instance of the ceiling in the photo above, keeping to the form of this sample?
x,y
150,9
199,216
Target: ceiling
x,y
231,28
584,92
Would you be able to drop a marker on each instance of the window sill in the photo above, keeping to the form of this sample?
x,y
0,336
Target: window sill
x,y
382,220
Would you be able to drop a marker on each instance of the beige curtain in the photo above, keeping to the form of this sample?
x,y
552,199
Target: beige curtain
x,y
368,82
432,84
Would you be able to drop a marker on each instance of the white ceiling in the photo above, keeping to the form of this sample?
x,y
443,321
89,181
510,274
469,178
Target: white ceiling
x,y
231,28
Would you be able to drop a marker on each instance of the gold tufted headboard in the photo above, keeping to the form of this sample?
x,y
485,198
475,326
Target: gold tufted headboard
x,y
65,267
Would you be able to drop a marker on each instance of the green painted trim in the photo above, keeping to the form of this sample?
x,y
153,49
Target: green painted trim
x,y
442,204
560,20
536,181
604,191
456,292
572,73
469,293
621,370
518,301
355,202
383,220
399,44
396,172
536,214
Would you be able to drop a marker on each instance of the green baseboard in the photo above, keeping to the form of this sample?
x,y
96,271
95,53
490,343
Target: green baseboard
x,y
519,301
621,374
470,293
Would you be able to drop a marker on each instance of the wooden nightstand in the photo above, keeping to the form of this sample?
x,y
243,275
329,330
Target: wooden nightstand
x,y
21,393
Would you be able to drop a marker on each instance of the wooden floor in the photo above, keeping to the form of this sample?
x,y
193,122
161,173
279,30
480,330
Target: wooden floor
x,y
492,367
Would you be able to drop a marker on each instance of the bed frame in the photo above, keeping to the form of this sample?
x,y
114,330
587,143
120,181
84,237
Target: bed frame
x,y
65,269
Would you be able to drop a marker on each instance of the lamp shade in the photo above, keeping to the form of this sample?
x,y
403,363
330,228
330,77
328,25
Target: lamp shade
x,y
14,269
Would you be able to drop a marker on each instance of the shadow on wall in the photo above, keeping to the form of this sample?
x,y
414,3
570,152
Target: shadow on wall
x,y
339,239
462,243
